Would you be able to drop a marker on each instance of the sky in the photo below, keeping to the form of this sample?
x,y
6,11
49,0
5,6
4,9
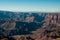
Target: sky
x,y
30,5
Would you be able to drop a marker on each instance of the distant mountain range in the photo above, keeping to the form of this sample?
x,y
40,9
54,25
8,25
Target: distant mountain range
x,y
21,16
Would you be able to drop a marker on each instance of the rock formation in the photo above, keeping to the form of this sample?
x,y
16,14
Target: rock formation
x,y
51,29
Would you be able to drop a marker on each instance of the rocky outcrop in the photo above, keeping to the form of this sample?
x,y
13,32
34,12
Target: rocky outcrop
x,y
51,31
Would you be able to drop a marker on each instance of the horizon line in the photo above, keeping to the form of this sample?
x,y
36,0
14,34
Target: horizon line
x,y
30,11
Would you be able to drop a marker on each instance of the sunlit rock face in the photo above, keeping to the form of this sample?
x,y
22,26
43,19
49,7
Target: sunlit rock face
x,y
50,31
